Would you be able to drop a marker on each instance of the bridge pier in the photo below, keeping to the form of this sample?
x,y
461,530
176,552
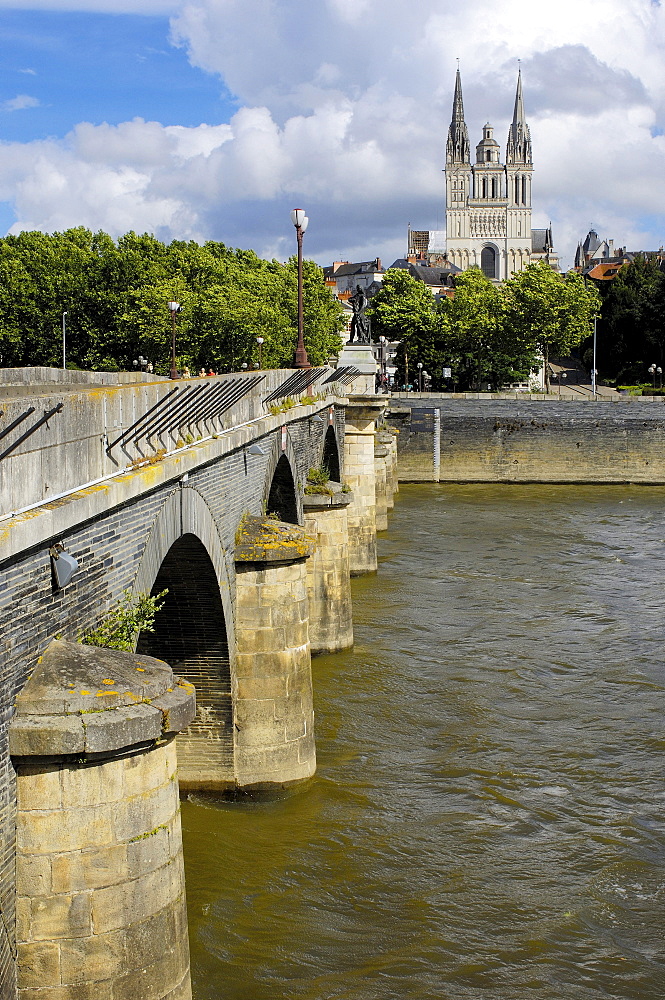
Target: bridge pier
x,y
328,574
99,866
380,474
274,715
362,413
389,442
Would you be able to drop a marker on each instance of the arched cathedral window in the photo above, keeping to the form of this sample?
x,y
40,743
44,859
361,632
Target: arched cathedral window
x,y
488,262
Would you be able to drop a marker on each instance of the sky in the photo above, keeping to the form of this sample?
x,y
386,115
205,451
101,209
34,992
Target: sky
x,y
212,119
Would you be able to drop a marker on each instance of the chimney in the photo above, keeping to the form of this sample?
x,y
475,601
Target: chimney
x,y
378,264
337,264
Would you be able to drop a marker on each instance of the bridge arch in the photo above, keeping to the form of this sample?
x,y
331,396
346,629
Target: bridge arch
x,y
281,491
330,455
194,631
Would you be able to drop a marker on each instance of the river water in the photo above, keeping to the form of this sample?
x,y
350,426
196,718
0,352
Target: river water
x,y
487,819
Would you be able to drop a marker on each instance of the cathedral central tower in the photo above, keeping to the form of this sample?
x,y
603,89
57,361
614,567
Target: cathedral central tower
x,y
488,203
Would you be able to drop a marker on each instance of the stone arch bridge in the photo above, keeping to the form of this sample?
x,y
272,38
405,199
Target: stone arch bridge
x,y
196,487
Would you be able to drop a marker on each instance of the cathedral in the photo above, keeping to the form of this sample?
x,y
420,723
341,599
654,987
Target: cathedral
x,y
488,203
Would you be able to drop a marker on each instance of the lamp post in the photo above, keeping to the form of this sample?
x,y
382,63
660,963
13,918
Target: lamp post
x,y
64,340
174,307
383,341
143,364
652,370
259,341
420,376
659,372
560,377
300,221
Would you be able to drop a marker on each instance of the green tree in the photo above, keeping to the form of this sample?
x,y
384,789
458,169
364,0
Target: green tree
x,y
116,293
404,309
549,311
480,346
631,330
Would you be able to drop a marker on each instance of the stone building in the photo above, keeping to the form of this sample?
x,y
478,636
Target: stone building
x,y
488,203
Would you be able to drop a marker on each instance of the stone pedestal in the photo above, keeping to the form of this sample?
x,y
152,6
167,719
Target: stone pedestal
x,y
100,878
328,574
381,487
274,717
360,356
361,416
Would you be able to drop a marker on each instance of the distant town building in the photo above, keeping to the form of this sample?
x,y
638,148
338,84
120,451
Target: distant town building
x,y
342,277
601,260
434,270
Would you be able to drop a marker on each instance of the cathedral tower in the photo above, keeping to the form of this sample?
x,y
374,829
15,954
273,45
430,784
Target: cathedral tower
x,y
488,204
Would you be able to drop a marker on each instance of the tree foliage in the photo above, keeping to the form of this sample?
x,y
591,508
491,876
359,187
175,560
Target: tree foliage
x,y
115,295
488,334
120,627
551,311
631,328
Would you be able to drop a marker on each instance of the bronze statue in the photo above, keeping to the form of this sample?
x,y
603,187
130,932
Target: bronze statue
x,y
360,327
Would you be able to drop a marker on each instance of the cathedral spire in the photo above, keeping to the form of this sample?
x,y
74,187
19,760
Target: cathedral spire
x,y
518,148
458,149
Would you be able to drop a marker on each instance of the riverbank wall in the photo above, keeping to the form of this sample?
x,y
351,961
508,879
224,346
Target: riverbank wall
x,y
524,440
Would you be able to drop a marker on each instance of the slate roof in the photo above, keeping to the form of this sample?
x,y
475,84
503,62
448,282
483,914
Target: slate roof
x,y
541,240
436,275
592,242
347,269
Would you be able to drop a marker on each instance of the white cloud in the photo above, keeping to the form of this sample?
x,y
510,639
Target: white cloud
x,y
344,107
20,103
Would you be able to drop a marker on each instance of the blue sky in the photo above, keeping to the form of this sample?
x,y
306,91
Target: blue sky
x,y
211,119
99,68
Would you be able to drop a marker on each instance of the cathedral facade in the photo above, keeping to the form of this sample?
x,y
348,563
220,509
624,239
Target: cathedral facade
x,y
488,203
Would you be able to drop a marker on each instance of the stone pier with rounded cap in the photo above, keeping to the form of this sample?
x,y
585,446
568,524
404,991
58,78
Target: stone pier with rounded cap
x,y
100,877
328,574
362,413
274,718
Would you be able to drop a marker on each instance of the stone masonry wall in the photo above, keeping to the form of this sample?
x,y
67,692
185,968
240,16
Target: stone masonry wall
x,y
514,441
100,885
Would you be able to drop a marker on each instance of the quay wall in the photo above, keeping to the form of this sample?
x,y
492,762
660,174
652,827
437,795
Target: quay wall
x,y
495,440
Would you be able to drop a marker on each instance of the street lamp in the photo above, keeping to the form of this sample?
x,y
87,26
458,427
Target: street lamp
x,y
659,372
174,307
420,376
383,360
300,221
64,340
259,341
561,376
652,370
143,364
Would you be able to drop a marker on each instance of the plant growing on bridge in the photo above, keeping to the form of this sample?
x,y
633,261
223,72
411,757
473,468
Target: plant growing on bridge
x,y
317,481
122,624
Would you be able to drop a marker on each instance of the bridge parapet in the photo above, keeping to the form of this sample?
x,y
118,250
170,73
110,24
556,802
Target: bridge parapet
x,y
57,440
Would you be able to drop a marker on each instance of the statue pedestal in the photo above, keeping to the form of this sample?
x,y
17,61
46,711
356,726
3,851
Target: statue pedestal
x,y
360,356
